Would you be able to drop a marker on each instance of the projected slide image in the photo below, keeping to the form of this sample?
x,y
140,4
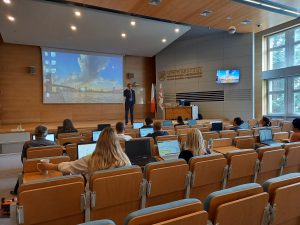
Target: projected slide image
x,y
82,78
228,76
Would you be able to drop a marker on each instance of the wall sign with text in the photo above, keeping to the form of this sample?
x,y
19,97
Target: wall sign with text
x,y
179,74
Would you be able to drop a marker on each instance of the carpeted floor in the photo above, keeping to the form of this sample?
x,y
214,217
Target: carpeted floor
x,y
10,166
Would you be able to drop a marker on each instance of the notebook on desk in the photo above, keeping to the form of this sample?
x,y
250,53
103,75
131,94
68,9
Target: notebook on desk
x,y
139,152
266,137
85,149
168,149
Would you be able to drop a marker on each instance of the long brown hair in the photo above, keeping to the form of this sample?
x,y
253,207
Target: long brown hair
x,y
108,153
194,142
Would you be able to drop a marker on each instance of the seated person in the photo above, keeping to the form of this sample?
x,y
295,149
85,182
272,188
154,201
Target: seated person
x,y
179,121
149,122
157,131
238,123
296,128
120,129
67,127
40,140
265,122
194,145
108,154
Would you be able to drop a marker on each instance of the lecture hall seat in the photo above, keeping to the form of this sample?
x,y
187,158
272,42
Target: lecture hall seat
x,y
166,181
44,151
243,165
208,173
115,193
292,163
99,222
209,135
52,201
284,194
182,212
244,132
228,134
245,204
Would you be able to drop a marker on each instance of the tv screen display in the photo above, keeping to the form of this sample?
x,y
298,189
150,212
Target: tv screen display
x,y
228,76
80,77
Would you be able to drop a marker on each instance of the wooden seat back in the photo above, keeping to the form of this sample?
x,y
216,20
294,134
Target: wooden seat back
x,y
71,150
182,131
244,132
167,137
228,134
208,135
280,136
222,142
287,126
71,140
30,165
244,142
292,164
276,129
52,201
208,174
108,200
44,151
166,181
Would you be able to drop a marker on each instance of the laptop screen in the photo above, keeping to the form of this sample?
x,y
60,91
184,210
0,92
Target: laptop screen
x,y
50,137
265,135
96,134
145,131
167,123
85,149
192,122
137,125
136,148
102,126
169,147
216,126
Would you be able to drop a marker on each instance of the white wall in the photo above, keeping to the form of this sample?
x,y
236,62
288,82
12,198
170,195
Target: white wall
x,y
211,52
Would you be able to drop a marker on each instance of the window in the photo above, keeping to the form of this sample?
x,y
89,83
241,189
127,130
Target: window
x,y
296,95
276,96
283,49
284,96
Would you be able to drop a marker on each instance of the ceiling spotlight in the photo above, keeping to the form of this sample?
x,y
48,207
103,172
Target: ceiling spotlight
x,y
205,13
176,30
7,1
123,35
164,40
154,2
77,13
11,18
228,18
73,27
132,23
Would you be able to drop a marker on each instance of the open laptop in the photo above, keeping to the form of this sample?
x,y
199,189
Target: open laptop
x,y
85,149
96,134
102,126
145,131
192,122
168,149
216,126
139,152
50,137
137,125
167,123
266,137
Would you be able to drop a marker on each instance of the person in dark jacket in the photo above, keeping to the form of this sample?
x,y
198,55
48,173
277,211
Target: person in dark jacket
x,y
157,131
129,95
149,122
67,127
179,121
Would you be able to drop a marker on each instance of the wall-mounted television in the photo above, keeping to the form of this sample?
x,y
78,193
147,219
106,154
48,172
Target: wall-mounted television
x,y
228,76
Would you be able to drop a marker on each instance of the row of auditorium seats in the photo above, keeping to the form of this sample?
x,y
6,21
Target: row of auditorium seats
x,y
118,192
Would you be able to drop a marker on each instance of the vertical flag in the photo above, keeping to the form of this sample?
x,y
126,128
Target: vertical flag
x,y
153,101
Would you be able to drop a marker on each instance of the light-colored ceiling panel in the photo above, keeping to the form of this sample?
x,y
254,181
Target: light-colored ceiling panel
x,y
48,24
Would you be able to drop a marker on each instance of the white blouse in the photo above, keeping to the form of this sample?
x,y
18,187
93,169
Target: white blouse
x,y
75,167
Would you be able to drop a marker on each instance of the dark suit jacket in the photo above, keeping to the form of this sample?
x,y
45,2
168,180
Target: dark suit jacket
x,y
126,94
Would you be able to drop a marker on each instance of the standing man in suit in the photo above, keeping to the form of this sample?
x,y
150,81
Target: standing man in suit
x,y
129,95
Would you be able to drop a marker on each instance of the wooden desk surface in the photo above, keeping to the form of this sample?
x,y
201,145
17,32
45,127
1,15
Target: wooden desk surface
x,y
226,149
28,177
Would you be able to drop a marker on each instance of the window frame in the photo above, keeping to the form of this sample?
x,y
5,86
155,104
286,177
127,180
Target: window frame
x,y
276,92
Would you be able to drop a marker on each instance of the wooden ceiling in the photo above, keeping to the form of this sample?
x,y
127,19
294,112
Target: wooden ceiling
x,y
187,11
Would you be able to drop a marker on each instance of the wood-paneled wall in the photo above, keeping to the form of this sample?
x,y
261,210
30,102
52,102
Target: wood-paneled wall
x,y
21,97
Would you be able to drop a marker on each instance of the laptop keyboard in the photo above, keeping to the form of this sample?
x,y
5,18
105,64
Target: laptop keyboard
x,y
142,160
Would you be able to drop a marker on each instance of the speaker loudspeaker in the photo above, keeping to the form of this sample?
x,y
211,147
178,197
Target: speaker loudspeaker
x,y
130,75
32,70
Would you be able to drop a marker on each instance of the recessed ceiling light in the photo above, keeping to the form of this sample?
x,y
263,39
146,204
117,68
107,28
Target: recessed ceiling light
x,y
7,1
246,22
176,30
132,23
73,27
123,35
77,13
205,13
154,2
11,18
163,40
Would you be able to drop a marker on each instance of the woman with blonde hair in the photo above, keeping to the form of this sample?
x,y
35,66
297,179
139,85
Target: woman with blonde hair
x,y
108,154
194,145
